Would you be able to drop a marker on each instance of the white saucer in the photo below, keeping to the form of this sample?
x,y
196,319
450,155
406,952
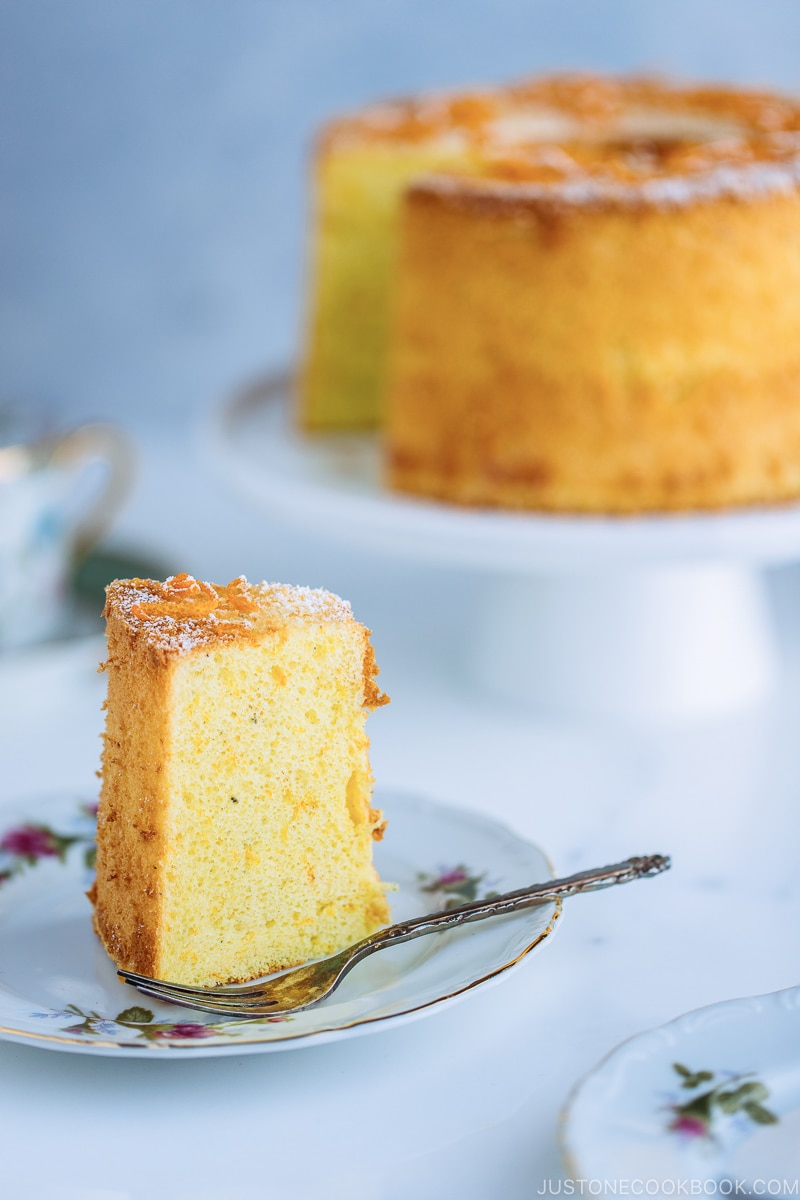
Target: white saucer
x,y
59,990
646,1113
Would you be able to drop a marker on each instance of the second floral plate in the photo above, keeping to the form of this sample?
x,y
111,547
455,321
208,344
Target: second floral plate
x,y
59,990
706,1105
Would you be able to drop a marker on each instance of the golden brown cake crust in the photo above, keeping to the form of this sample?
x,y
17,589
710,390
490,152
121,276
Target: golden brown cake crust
x,y
604,363
126,894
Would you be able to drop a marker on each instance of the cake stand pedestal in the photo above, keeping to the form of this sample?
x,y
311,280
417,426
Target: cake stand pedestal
x,y
662,617
679,641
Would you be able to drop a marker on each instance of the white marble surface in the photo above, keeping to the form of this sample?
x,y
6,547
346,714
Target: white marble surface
x,y
464,1103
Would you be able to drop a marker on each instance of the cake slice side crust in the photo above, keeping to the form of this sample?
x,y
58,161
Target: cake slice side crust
x,y
127,892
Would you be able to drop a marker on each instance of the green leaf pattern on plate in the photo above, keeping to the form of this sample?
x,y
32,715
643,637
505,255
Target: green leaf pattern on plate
x,y
735,1094
141,1024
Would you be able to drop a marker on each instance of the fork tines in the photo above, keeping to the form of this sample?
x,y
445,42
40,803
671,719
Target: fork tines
x,y
225,999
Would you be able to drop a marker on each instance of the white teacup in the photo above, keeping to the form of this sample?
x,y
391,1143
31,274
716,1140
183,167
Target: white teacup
x,y
58,495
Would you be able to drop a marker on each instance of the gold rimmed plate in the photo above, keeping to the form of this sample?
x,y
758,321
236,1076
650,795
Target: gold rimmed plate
x,y
59,990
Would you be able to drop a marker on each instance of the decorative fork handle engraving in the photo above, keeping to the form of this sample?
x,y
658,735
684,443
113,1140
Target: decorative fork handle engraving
x,y
510,902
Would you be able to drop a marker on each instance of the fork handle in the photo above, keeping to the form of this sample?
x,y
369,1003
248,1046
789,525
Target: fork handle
x,y
509,902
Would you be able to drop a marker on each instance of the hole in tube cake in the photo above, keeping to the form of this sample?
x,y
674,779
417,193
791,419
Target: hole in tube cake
x,y
572,294
235,826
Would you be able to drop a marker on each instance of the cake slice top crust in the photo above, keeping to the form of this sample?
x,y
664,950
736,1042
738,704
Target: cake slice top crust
x,y
184,614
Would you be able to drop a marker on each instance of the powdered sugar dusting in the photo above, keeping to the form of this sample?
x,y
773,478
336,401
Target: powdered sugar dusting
x,y
294,602
223,612
749,181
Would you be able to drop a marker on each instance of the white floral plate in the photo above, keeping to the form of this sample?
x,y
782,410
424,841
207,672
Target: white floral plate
x,y
59,990
710,1101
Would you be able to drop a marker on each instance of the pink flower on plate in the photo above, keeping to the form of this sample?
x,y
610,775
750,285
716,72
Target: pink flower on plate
x,y
187,1029
458,875
689,1126
30,841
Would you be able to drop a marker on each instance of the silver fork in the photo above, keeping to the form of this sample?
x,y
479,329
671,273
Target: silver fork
x,y
300,987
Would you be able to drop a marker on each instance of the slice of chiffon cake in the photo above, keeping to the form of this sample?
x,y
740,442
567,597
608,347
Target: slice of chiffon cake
x,y
235,828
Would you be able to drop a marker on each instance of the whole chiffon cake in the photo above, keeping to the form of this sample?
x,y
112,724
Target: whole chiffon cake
x,y
572,294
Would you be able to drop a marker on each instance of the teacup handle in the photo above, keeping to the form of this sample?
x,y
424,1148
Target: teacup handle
x,y
102,443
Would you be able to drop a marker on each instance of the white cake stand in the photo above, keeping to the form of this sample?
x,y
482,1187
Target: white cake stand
x,y
652,617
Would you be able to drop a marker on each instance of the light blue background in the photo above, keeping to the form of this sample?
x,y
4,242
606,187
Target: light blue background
x,y
153,160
